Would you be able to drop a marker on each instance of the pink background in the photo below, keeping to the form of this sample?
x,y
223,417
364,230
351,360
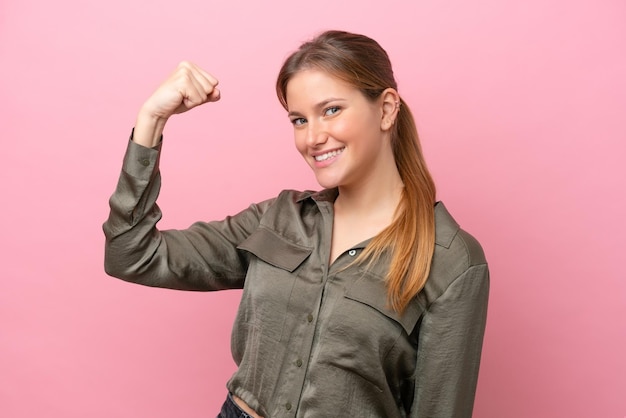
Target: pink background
x,y
521,107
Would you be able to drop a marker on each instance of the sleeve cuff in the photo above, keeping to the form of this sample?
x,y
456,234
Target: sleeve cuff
x,y
139,161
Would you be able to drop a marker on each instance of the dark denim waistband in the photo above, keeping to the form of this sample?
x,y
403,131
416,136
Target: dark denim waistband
x,y
231,410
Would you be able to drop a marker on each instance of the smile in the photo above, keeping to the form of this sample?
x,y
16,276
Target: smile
x,y
328,155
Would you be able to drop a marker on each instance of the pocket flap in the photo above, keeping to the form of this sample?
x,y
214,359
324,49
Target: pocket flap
x,y
275,249
371,290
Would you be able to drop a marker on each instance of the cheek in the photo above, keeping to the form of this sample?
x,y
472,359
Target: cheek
x,y
349,129
341,129
300,141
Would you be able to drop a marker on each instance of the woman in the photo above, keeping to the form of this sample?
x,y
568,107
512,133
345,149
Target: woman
x,y
364,299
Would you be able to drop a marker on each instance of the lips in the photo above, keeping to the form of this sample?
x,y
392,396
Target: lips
x,y
327,155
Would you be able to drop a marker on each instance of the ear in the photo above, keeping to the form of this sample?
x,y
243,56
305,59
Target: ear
x,y
390,104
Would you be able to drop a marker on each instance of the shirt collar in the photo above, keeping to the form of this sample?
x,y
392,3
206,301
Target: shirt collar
x,y
325,195
446,227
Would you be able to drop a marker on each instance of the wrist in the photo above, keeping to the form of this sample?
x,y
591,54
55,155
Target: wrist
x,y
148,128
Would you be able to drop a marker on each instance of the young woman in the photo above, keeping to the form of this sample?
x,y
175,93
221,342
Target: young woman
x,y
363,299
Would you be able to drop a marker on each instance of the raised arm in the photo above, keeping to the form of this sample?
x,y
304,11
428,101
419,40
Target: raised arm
x,y
202,257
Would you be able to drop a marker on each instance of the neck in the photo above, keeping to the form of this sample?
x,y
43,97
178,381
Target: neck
x,y
375,197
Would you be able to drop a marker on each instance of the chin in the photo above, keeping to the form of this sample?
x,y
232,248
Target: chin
x,y
327,184
330,178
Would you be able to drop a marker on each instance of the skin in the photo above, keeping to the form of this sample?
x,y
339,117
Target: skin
x,y
328,115
187,87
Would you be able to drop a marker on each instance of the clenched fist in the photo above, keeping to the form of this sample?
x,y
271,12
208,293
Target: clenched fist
x,y
187,87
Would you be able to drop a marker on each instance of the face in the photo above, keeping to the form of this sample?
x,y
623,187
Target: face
x,y
338,131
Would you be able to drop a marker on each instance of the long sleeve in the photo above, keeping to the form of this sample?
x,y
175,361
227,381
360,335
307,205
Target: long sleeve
x,y
202,257
449,347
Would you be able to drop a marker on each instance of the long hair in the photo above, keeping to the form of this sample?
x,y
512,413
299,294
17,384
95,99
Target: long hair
x,y
364,64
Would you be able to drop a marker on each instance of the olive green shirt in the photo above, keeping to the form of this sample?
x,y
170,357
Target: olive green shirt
x,y
312,339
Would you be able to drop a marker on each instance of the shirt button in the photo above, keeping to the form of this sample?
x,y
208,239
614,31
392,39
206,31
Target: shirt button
x,y
309,318
299,363
145,162
352,253
288,406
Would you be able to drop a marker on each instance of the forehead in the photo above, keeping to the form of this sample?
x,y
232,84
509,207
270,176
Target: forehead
x,y
312,86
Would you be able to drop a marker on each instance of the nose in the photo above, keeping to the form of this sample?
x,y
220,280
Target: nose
x,y
315,135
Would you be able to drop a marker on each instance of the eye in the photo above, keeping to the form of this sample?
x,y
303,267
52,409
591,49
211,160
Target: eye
x,y
298,121
329,111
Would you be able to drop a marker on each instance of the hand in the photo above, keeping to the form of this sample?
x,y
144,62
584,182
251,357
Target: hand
x,y
187,87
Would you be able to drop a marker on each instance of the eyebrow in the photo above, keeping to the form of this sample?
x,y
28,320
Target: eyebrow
x,y
318,106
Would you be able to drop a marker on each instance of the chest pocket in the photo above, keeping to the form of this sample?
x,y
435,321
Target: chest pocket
x,y
365,338
371,291
270,280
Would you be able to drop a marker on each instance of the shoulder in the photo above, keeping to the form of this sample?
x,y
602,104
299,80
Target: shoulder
x,y
452,243
456,252
289,212
285,234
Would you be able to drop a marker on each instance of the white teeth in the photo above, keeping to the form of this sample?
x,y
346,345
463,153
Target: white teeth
x,y
328,155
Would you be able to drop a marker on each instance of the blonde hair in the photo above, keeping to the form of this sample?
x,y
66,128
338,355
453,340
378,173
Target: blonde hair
x,y
363,63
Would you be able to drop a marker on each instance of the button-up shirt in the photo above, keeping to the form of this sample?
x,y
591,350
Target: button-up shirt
x,y
313,339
